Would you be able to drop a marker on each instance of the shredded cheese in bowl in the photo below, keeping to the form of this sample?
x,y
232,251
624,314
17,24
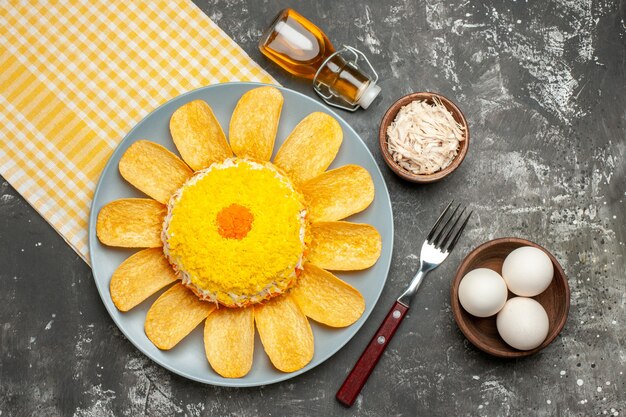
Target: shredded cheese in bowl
x,y
424,138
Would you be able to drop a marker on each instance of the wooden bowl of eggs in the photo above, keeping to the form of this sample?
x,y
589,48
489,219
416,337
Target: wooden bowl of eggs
x,y
510,297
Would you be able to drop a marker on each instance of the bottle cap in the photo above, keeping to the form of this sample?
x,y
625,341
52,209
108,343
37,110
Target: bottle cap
x,y
370,93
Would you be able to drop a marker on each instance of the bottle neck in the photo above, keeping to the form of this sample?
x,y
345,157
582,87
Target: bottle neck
x,y
343,80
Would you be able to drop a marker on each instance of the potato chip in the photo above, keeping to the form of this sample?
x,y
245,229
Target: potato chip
x,y
285,333
327,299
254,123
344,246
174,315
198,135
229,341
310,148
153,169
140,276
338,193
131,223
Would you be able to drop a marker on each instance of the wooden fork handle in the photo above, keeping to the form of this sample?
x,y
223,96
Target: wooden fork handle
x,y
371,355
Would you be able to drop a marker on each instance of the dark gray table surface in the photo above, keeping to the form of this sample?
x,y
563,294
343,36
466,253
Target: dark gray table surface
x,y
542,84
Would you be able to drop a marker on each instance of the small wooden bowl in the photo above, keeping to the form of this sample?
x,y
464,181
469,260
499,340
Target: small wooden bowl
x,y
390,116
482,332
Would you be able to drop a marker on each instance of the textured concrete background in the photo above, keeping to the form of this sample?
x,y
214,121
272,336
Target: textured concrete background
x,y
543,86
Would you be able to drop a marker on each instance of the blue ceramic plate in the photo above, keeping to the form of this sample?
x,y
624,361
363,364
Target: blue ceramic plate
x,y
188,358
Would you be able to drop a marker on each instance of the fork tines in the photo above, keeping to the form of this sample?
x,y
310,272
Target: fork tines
x,y
445,237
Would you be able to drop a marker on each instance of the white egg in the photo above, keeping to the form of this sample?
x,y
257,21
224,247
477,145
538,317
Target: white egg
x,y
527,271
523,323
482,292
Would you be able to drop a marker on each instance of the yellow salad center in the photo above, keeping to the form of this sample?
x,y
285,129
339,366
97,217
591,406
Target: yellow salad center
x,y
235,232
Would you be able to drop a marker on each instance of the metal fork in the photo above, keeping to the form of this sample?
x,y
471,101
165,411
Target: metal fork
x,y
438,244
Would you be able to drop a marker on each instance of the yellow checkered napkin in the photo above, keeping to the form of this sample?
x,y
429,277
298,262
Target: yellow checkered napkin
x,y
77,75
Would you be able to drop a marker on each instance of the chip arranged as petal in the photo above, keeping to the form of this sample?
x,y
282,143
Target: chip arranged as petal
x,y
131,223
310,148
198,135
326,299
153,169
140,276
285,333
174,315
338,193
344,246
229,341
254,123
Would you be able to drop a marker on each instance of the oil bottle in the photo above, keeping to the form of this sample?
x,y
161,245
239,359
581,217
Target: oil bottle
x,y
301,48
